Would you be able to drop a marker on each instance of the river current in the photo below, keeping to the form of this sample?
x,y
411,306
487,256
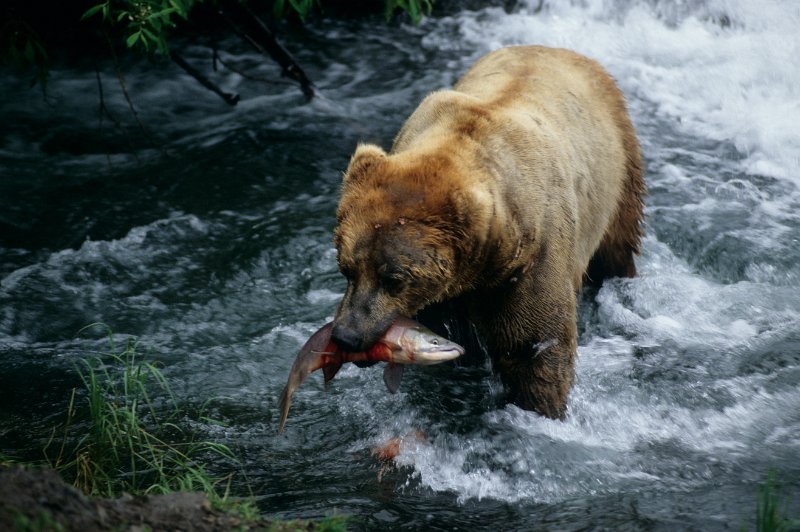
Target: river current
x,y
209,239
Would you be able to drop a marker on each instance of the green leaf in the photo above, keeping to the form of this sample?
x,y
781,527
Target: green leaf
x,y
416,9
300,7
149,34
163,14
413,10
390,6
179,9
131,40
277,9
29,55
92,10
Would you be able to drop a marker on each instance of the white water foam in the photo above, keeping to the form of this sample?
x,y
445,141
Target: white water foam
x,y
725,70
612,443
82,286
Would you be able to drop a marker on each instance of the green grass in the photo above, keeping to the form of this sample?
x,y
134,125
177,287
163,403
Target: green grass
x,y
121,434
335,523
42,522
772,508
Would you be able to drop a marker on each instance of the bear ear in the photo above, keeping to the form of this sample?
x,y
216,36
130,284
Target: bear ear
x,y
366,158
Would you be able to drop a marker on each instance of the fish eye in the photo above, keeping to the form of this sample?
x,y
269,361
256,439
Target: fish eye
x,y
435,341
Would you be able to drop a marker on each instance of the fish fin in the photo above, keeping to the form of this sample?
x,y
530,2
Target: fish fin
x,y
283,405
310,358
330,372
319,341
392,375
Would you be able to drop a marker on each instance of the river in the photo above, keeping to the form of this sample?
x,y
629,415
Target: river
x,y
209,239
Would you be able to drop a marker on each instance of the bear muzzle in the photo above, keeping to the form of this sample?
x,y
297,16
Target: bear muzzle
x,y
354,333
347,339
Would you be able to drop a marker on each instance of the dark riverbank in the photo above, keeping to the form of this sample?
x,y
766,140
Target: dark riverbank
x,y
38,499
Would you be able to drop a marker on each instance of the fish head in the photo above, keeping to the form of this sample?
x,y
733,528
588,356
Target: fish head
x,y
416,344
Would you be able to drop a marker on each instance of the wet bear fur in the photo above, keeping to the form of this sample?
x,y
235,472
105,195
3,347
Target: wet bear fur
x,y
498,199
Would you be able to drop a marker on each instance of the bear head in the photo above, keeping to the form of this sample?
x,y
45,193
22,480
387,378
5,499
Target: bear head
x,y
405,230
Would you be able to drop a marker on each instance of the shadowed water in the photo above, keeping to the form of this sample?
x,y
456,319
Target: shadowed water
x,y
213,246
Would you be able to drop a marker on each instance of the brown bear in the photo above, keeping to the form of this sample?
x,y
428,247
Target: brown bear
x,y
497,199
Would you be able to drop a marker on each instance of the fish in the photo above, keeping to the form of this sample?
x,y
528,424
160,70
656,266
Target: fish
x,y
404,342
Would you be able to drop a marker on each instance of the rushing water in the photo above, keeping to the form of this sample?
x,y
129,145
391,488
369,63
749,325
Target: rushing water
x,y
212,245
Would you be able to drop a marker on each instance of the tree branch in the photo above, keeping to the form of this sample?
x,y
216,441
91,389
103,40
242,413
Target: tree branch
x,y
236,70
230,99
252,29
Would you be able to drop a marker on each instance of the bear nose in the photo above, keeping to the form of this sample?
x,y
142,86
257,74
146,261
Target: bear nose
x,y
347,339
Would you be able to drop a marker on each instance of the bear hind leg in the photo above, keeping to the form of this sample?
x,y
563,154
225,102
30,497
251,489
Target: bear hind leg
x,y
612,259
614,256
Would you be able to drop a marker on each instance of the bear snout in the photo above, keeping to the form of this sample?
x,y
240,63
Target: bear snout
x,y
347,339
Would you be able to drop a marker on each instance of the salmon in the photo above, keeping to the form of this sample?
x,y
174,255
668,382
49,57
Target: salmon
x,y
404,342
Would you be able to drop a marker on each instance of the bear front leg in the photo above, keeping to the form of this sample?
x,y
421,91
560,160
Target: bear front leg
x,y
532,337
539,375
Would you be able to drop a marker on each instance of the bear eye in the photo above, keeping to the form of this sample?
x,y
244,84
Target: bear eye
x,y
392,282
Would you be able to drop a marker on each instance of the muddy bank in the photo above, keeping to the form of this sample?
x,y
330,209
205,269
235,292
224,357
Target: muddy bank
x,y
40,500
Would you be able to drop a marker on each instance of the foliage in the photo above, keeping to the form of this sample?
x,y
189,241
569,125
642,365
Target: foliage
x,y
416,9
22,48
147,22
145,25
772,514
130,444
301,7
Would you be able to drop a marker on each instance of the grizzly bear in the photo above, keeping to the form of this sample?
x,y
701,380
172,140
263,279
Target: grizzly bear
x,y
497,200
